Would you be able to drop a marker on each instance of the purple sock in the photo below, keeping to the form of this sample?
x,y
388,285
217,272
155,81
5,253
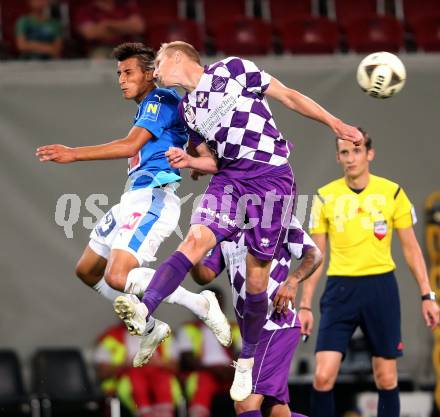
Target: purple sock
x,y
297,415
322,404
389,403
254,317
166,279
253,413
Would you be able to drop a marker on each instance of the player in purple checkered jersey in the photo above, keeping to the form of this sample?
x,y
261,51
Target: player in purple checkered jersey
x,y
281,331
227,114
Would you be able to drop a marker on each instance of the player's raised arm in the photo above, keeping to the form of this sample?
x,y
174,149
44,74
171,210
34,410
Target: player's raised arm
x,y
304,105
120,148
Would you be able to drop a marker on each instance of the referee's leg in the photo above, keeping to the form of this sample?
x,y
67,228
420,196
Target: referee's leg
x,y
326,371
385,377
381,325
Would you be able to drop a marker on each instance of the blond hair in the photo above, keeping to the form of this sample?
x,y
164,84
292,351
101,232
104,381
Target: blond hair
x,y
184,47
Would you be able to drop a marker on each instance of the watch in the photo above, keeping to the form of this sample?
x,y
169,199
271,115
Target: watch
x,y
429,296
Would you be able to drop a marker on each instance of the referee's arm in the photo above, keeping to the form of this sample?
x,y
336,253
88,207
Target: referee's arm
x,y
309,286
416,263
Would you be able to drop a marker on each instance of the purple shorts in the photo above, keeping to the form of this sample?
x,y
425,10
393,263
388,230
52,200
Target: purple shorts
x,y
270,374
262,206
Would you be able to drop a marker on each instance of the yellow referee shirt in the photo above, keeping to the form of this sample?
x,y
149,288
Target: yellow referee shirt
x,y
360,226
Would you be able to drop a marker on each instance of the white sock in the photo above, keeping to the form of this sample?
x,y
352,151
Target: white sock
x,y
194,302
138,280
246,362
101,287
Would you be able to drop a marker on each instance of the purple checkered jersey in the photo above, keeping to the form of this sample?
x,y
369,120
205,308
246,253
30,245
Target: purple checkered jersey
x,y
232,256
228,111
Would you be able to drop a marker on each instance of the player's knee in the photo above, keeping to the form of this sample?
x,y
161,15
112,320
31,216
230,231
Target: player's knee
x,y
191,242
240,408
115,279
193,245
201,280
80,271
324,380
243,407
255,283
253,402
385,380
85,274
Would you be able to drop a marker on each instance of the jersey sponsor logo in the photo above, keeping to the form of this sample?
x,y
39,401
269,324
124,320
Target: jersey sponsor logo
x,y
264,242
226,105
380,229
158,97
152,109
132,221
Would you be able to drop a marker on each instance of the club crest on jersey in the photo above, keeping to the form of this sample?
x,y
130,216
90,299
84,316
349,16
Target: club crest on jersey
x,y
380,229
218,83
189,113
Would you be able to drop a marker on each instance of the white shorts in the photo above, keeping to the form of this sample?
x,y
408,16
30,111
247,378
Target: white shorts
x,y
142,220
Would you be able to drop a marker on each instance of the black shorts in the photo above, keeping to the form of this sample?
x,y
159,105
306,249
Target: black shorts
x,y
371,302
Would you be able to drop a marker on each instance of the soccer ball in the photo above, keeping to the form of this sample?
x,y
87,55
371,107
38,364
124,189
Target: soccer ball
x,y
381,74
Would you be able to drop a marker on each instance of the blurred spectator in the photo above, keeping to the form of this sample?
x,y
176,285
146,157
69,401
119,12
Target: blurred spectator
x,y
152,390
205,365
38,36
103,24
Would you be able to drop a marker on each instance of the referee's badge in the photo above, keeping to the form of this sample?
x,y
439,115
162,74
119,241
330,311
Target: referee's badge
x,y
380,229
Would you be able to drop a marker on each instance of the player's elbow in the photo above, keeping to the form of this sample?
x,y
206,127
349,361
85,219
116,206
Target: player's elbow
x,y
313,257
131,150
317,257
289,99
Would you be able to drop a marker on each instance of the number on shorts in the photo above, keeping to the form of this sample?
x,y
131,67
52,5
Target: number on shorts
x,y
107,226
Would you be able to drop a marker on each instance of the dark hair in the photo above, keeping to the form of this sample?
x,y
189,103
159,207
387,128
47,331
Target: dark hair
x,y
184,47
144,54
367,139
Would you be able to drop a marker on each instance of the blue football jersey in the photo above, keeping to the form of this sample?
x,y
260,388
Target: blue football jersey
x,y
158,114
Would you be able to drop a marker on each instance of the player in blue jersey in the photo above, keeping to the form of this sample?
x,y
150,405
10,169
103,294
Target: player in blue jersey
x,y
129,235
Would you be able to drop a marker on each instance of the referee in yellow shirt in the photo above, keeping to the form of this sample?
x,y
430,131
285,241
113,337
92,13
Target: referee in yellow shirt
x,y
357,215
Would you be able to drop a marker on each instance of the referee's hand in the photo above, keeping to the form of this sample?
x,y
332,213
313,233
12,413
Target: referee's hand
x,y
431,313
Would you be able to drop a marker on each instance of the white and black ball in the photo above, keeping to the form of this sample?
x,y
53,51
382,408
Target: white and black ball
x,y
381,75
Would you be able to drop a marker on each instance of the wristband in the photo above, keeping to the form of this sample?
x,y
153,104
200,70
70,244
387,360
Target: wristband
x,y
305,308
429,296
